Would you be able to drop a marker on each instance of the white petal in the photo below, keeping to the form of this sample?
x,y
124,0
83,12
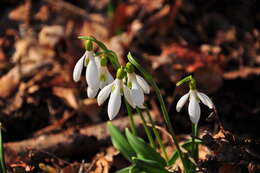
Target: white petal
x,y
92,75
143,84
127,94
137,95
194,108
78,69
102,84
182,101
92,92
114,103
205,100
109,77
104,93
97,60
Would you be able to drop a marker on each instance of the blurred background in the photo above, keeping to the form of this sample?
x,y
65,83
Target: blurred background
x,y
48,121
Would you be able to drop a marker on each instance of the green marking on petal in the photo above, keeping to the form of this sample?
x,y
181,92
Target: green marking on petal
x,y
102,77
86,62
113,88
121,91
129,84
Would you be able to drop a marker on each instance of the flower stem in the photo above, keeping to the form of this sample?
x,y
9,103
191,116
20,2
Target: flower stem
x,y
2,160
150,79
168,123
157,135
147,130
131,118
194,145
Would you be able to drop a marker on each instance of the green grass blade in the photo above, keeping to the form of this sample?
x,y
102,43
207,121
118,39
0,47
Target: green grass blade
x,y
120,142
144,150
2,160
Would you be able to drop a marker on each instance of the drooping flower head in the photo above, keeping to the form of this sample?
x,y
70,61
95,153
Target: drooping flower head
x,y
116,89
138,86
97,74
194,97
105,76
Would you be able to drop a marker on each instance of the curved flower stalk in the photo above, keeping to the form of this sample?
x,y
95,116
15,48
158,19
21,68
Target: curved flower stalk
x,y
194,99
138,86
116,89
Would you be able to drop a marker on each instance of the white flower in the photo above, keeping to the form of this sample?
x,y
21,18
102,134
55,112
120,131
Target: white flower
x,y
117,88
92,73
105,76
138,87
194,109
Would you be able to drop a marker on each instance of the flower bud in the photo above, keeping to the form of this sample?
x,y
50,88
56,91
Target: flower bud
x,y
130,68
88,45
192,84
103,61
120,74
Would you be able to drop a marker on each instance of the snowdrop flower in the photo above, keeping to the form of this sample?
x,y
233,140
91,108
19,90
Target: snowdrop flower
x,y
116,89
105,76
194,98
138,86
92,73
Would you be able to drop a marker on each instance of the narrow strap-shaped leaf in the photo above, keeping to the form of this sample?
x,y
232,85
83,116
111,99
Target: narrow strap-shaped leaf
x,y
126,170
130,169
149,166
144,150
120,142
2,160
187,145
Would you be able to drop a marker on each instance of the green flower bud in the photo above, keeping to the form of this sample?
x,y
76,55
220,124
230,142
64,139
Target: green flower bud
x,y
88,45
103,61
130,68
120,74
192,84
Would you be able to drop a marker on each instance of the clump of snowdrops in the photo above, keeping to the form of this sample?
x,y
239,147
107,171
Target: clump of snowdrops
x,y
129,86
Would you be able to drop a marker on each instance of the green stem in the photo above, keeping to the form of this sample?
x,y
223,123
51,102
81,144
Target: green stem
x,y
158,137
131,118
150,79
146,128
169,125
194,145
2,160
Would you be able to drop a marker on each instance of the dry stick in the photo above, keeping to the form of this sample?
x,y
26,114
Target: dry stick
x,y
74,141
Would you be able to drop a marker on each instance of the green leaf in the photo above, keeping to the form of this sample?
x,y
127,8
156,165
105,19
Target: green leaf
x,y
144,150
125,170
187,145
2,160
135,169
150,166
130,169
120,142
